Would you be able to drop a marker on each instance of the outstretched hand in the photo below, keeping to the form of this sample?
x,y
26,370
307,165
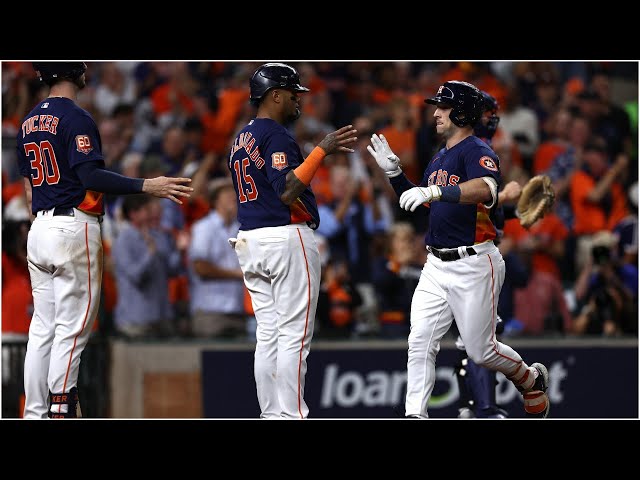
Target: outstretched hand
x,y
168,187
337,141
386,159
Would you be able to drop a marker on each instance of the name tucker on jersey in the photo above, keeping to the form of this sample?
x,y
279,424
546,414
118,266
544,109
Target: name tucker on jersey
x,y
40,123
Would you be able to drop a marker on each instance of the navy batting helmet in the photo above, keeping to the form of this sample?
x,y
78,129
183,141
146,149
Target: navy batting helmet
x,y
464,99
488,129
274,75
52,71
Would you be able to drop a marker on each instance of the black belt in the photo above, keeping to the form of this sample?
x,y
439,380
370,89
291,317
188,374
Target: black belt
x,y
450,255
67,212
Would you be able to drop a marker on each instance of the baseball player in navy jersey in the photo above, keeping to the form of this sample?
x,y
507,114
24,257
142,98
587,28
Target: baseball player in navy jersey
x,y
275,245
477,385
464,271
59,154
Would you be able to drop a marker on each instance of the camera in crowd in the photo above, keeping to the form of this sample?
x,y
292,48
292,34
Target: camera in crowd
x,y
601,254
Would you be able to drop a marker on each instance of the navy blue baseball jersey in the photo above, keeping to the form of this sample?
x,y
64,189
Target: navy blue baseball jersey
x,y
261,156
56,136
453,225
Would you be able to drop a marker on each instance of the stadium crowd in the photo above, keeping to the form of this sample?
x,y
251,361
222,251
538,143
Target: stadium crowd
x,y
169,271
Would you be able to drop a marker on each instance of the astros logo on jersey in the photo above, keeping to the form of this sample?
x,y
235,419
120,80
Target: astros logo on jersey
x,y
489,163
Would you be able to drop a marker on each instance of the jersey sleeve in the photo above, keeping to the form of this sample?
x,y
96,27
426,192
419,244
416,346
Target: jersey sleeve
x,y
282,155
83,140
482,162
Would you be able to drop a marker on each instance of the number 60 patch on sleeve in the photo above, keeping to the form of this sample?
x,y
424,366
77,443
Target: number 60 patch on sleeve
x,y
279,160
83,144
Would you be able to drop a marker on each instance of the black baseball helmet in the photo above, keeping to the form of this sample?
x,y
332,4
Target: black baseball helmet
x,y
53,71
465,100
274,75
488,130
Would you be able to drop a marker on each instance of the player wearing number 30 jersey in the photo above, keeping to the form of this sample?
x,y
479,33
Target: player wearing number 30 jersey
x,y
60,157
276,246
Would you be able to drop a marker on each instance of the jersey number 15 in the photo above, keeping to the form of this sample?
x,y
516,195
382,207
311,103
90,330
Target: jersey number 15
x,y
245,194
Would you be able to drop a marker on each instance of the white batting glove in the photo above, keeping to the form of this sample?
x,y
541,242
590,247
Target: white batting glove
x,y
416,196
387,160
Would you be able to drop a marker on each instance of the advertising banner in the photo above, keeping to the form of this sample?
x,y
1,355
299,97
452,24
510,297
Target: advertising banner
x,y
585,382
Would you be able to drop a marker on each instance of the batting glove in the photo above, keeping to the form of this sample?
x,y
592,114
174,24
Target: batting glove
x,y
387,160
416,196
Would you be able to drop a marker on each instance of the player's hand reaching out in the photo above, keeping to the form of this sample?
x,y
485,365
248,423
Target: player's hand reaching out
x,y
167,187
387,160
337,141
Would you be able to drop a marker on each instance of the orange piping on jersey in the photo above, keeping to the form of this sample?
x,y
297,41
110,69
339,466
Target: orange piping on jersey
x,y
306,324
484,227
493,314
92,203
307,169
299,213
86,313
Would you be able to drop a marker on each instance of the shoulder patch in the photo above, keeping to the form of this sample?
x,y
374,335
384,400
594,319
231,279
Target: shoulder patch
x,y
279,160
83,144
489,163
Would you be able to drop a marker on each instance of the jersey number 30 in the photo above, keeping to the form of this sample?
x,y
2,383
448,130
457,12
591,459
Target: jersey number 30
x,y
40,164
245,194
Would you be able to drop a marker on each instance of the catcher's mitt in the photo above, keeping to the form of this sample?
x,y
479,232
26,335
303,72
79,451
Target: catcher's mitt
x,y
536,199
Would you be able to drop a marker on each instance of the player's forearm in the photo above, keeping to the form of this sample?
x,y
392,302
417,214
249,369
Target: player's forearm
x,y
105,181
299,179
293,189
475,190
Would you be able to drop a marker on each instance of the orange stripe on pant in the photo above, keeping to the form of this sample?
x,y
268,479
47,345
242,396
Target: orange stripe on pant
x,y
493,318
86,313
306,323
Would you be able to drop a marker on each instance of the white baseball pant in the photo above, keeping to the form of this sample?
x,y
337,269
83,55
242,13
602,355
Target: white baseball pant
x,y
467,290
281,267
64,254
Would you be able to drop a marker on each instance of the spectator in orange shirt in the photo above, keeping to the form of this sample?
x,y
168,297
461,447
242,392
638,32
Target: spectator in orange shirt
x,y
173,100
17,300
557,126
544,241
598,199
564,165
232,102
401,136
